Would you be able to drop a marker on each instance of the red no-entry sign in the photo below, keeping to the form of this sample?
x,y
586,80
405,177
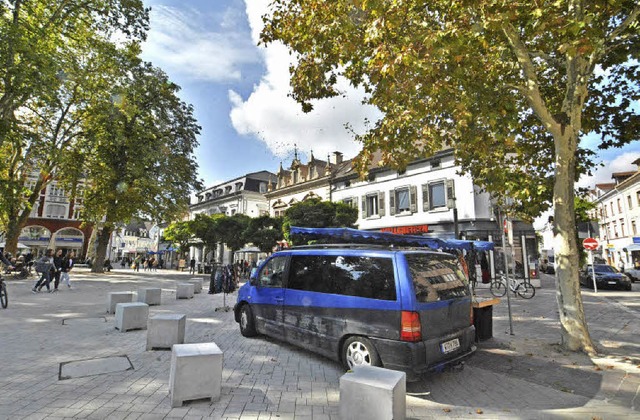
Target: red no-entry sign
x,y
590,244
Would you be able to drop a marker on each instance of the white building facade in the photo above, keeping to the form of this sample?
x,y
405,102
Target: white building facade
x,y
242,195
618,211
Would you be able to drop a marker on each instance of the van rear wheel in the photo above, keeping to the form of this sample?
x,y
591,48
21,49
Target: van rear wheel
x,y
357,351
247,323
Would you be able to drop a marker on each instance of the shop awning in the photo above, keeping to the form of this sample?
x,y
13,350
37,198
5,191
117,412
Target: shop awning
x,y
384,238
632,247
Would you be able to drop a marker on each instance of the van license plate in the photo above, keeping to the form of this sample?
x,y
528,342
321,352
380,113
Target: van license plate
x,y
612,282
449,346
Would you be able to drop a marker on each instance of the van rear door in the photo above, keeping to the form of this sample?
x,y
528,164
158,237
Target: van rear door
x,y
442,296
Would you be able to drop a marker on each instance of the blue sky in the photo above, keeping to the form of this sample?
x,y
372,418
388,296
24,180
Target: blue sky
x,y
239,92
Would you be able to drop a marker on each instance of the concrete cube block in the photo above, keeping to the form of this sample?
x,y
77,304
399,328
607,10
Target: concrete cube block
x,y
118,297
196,372
197,284
131,316
150,295
165,330
372,393
184,290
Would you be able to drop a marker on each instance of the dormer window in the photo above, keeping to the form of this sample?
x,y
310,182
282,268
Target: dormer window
x,y
295,177
227,189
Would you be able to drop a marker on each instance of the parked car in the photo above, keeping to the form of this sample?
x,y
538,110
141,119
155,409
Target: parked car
x,y
548,265
633,274
607,277
407,310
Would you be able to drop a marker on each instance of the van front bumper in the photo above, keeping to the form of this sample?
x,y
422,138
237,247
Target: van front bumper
x,y
416,359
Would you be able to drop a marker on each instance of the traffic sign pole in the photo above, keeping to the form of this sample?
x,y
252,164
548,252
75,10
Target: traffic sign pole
x,y
593,272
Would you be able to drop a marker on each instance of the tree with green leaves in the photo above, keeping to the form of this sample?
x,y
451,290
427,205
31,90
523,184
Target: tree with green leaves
x,y
315,213
48,140
33,33
180,233
231,230
264,232
513,87
142,163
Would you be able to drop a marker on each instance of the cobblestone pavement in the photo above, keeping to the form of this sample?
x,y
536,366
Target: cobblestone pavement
x,y
524,375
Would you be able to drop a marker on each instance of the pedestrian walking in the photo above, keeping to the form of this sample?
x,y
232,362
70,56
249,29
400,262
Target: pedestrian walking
x,y
192,266
57,265
44,266
67,265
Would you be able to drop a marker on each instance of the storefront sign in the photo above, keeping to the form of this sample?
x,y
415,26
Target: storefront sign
x,y
636,239
407,230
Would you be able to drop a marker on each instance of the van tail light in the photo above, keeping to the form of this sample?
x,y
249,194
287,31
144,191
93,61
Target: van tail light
x,y
410,330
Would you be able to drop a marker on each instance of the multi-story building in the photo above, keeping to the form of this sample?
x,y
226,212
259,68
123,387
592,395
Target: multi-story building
x,y
242,195
303,181
429,198
618,214
55,221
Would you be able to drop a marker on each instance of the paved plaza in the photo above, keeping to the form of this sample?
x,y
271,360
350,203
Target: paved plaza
x,y
524,375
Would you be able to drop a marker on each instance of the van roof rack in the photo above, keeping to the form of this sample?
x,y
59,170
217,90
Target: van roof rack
x,y
350,246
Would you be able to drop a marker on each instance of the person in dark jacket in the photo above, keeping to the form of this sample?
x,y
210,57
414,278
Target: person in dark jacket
x,y
57,267
44,266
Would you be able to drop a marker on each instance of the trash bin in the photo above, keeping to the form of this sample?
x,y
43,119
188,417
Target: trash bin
x,y
483,318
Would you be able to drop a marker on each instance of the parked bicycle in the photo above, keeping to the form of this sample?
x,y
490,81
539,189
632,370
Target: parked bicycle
x,y
519,287
4,297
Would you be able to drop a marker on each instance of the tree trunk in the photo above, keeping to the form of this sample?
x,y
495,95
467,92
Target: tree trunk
x,y
574,332
101,249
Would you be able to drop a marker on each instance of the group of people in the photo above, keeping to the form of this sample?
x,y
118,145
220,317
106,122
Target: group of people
x,y
147,263
54,267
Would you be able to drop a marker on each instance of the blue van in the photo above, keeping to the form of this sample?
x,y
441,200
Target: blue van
x,y
402,309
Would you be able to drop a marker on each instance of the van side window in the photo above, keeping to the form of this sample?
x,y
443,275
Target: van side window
x,y
272,273
366,277
437,277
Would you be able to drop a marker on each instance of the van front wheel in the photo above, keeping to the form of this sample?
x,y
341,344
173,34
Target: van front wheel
x,y
247,324
359,351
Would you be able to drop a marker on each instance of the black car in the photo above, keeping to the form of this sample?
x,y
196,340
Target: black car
x,y
607,277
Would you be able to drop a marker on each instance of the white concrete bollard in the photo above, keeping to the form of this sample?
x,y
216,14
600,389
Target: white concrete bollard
x,y
165,330
197,283
118,297
185,291
150,295
373,393
131,316
196,372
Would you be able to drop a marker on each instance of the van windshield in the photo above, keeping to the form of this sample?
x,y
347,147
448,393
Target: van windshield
x,y
437,277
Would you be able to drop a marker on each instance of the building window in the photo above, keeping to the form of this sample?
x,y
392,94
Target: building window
x,y
351,202
295,177
611,205
55,211
622,228
634,228
373,205
638,197
629,202
263,187
435,163
619,205
403,200
434,194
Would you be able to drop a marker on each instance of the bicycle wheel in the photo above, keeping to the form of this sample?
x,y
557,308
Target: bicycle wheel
x,y
497,288
4,298
525,290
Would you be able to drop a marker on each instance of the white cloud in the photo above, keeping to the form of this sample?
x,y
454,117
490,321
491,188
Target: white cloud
x,y
274,117
183,43
621,163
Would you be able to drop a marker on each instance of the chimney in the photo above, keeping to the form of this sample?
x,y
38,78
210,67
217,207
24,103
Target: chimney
x,y
337,157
